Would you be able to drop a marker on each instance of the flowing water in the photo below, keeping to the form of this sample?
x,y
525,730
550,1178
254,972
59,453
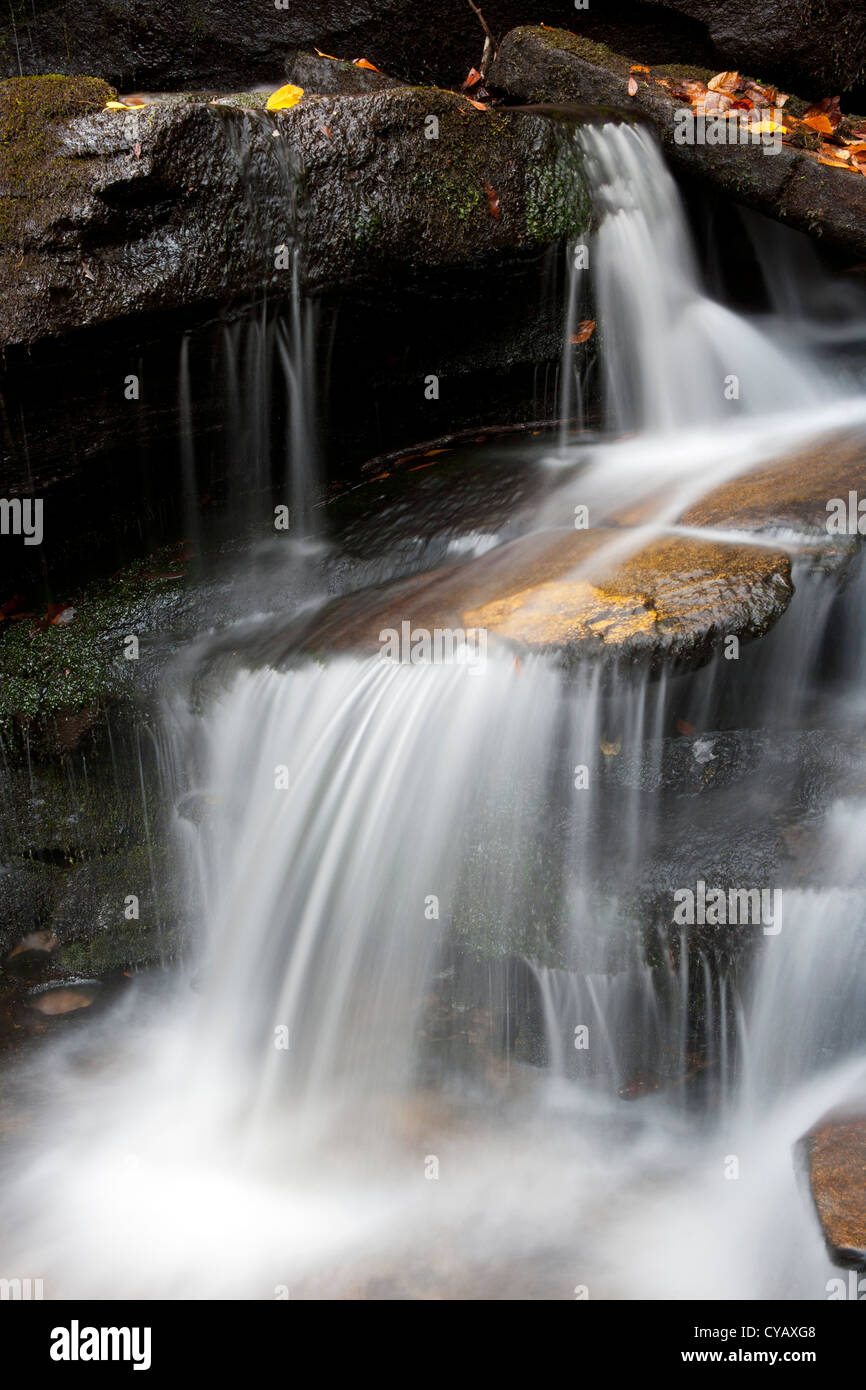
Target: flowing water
x,y
436,1033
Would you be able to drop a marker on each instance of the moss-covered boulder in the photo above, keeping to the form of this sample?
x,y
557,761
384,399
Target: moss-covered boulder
x,y
186,201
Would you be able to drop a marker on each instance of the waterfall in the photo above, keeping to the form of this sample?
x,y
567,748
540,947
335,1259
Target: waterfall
x,y
671,356
437,1030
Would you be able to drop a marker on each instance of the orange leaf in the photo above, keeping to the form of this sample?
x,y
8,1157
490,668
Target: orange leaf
x,y
479,105
493,199
819,122
585,331
362,63
632,86
638,67
325,131
328,55
472,79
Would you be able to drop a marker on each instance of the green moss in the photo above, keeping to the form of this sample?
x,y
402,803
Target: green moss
x,y
49,669
367,229
591,52
32,171
557,204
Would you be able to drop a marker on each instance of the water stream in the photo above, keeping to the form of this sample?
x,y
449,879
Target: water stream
x,y
436,1033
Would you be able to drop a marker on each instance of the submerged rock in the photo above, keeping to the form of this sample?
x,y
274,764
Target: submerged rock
x,y
834,1152
673,601
538,65
187,201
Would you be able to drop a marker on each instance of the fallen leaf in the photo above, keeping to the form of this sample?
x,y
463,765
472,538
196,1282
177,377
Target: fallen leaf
x,y
116,106
362,63
472,79
328,55
724,82
819,122
638,67
585,331
833,161
326,131
610,747
830,107
493,199
479,105
136,149
284,98
683,727
632,86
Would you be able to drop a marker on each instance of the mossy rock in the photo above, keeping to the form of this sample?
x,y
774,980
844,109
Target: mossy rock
x,y
35,180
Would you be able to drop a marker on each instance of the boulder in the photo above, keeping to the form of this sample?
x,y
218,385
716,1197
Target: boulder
x,y
537,65
834,1155
671,602
106,214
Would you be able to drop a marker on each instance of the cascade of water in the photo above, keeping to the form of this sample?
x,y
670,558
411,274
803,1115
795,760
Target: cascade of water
x,y
354,830
670,354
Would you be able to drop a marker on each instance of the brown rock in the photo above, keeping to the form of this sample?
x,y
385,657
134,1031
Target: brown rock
x,y
835,1157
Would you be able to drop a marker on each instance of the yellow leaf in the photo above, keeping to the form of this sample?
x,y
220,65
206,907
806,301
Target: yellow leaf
x,y
328,55
116,106
610,748
284,98
768,128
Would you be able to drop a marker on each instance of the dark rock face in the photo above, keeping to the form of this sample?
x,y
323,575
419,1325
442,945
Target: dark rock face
x,y
163,45
820,43
187,202
536,65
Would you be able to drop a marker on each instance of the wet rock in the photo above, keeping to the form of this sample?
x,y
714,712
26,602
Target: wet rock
x,y
330,77
822,45
56,1000
834,1155
672,602
27,896
31,954
185,202
793,494
536,65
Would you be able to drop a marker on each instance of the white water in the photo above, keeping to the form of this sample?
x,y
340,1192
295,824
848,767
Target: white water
x,y
199,1159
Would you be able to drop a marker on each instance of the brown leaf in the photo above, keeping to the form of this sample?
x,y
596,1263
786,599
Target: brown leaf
x,y
724,82
493,199
585,331
326,131
683,727
632,86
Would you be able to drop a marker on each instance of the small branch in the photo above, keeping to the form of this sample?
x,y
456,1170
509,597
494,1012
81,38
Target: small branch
x,y
489,41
